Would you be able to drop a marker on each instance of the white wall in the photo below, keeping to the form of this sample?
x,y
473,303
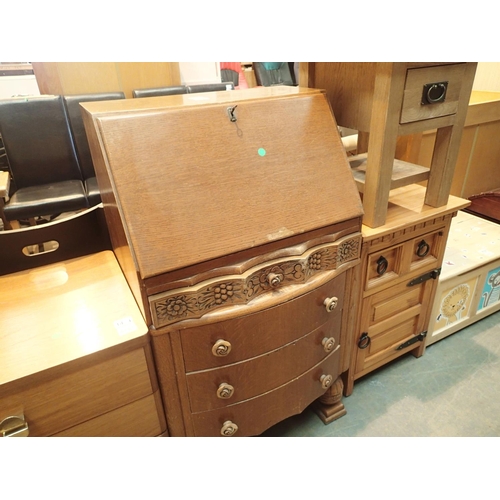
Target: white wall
x,y
487,77
11,86
193,73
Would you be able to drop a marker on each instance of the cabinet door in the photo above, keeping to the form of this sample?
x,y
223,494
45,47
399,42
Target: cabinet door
x,y
389,319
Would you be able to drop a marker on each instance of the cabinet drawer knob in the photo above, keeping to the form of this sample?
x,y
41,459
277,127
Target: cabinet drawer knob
x,y
326,381
382,265
221,348
274,279
423,248
328,344
364,341
228,428
225,391
14,426
330,303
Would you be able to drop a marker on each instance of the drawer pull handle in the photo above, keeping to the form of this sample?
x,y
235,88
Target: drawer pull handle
x,y
330,303
221,348
364,341
382,265
225,391
423,248
433,93
274,279
14,426
228,428
328,344
326,381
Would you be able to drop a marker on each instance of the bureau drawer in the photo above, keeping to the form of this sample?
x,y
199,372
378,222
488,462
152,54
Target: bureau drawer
x,y
69,400
431,92
255,334
256,415
219,387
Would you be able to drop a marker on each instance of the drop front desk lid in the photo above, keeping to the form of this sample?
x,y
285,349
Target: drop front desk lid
x,y
199,176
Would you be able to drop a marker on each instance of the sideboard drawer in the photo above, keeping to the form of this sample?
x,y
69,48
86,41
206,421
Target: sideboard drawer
x,y
254,416
431,92
219,387
258,333
64,402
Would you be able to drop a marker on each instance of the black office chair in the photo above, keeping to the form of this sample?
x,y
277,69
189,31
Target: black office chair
x,y
268,74
210,87
159,91
72,104
46,178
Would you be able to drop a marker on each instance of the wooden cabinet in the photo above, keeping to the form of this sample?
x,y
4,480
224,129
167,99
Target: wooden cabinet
x,y
400,265
72,361
384,101
237,221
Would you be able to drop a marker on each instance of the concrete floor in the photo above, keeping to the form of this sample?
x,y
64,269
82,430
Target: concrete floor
x,y
453,390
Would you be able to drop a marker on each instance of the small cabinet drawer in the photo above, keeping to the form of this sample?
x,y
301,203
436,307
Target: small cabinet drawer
x,y
252,417
384,266
248,336
219,387
427,250
431,92
72,399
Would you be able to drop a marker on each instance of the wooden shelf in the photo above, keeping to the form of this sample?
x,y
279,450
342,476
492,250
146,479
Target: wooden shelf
x,y
403,172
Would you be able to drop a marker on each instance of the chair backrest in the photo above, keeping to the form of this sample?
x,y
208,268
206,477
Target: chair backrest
x,y
230,75
72,103
37,139
268,74
159,91
210,87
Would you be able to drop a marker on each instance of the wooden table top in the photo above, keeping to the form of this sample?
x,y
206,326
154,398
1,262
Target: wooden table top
x,y
59,313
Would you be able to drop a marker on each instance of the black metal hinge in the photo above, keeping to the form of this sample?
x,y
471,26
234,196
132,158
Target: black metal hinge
x,y
434,274
418,338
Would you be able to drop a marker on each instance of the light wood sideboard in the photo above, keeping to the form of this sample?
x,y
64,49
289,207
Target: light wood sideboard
x,y
75,357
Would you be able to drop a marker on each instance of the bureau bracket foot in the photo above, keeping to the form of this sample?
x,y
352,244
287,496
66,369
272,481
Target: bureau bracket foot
x,y
329,407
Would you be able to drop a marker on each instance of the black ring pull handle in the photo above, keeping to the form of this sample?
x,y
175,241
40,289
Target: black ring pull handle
x,y
423,248
434,93
364,341
382,265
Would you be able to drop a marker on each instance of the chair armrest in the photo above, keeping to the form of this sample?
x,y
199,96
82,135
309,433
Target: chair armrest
x,y
4,184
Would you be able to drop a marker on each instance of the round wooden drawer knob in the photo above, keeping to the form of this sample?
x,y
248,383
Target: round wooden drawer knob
x,y
328,344
330,303
228,428
274,279
326,381
221,348
225,391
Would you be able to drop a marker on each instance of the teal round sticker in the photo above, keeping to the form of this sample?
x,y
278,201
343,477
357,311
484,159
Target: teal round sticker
x,y
262,152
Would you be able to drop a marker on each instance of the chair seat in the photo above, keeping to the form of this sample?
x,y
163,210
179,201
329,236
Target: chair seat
x,y
46,199
92,191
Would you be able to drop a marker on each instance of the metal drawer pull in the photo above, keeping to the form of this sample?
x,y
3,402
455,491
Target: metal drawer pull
x,y
433,93
423,248
228,428
225,391
326,381
328,344
382,265
221,348
364,341
330,303
14,426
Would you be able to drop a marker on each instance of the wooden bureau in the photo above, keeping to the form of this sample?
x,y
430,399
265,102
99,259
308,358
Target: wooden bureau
x,y
236,220
75,357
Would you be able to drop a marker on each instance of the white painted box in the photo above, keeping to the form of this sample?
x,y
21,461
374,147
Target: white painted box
x,y
469,283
